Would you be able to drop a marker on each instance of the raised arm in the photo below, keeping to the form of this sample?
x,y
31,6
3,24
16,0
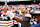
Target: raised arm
x,y
18,19
11,15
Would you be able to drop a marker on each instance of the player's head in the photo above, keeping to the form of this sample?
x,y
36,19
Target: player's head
x,y
24,9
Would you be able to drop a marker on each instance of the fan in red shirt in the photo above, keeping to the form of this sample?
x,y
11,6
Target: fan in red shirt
x,y
38,8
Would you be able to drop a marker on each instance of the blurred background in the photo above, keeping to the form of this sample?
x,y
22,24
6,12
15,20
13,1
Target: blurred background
x,y
33,7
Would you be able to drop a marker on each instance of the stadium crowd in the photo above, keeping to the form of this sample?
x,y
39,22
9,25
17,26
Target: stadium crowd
x,y
17,10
